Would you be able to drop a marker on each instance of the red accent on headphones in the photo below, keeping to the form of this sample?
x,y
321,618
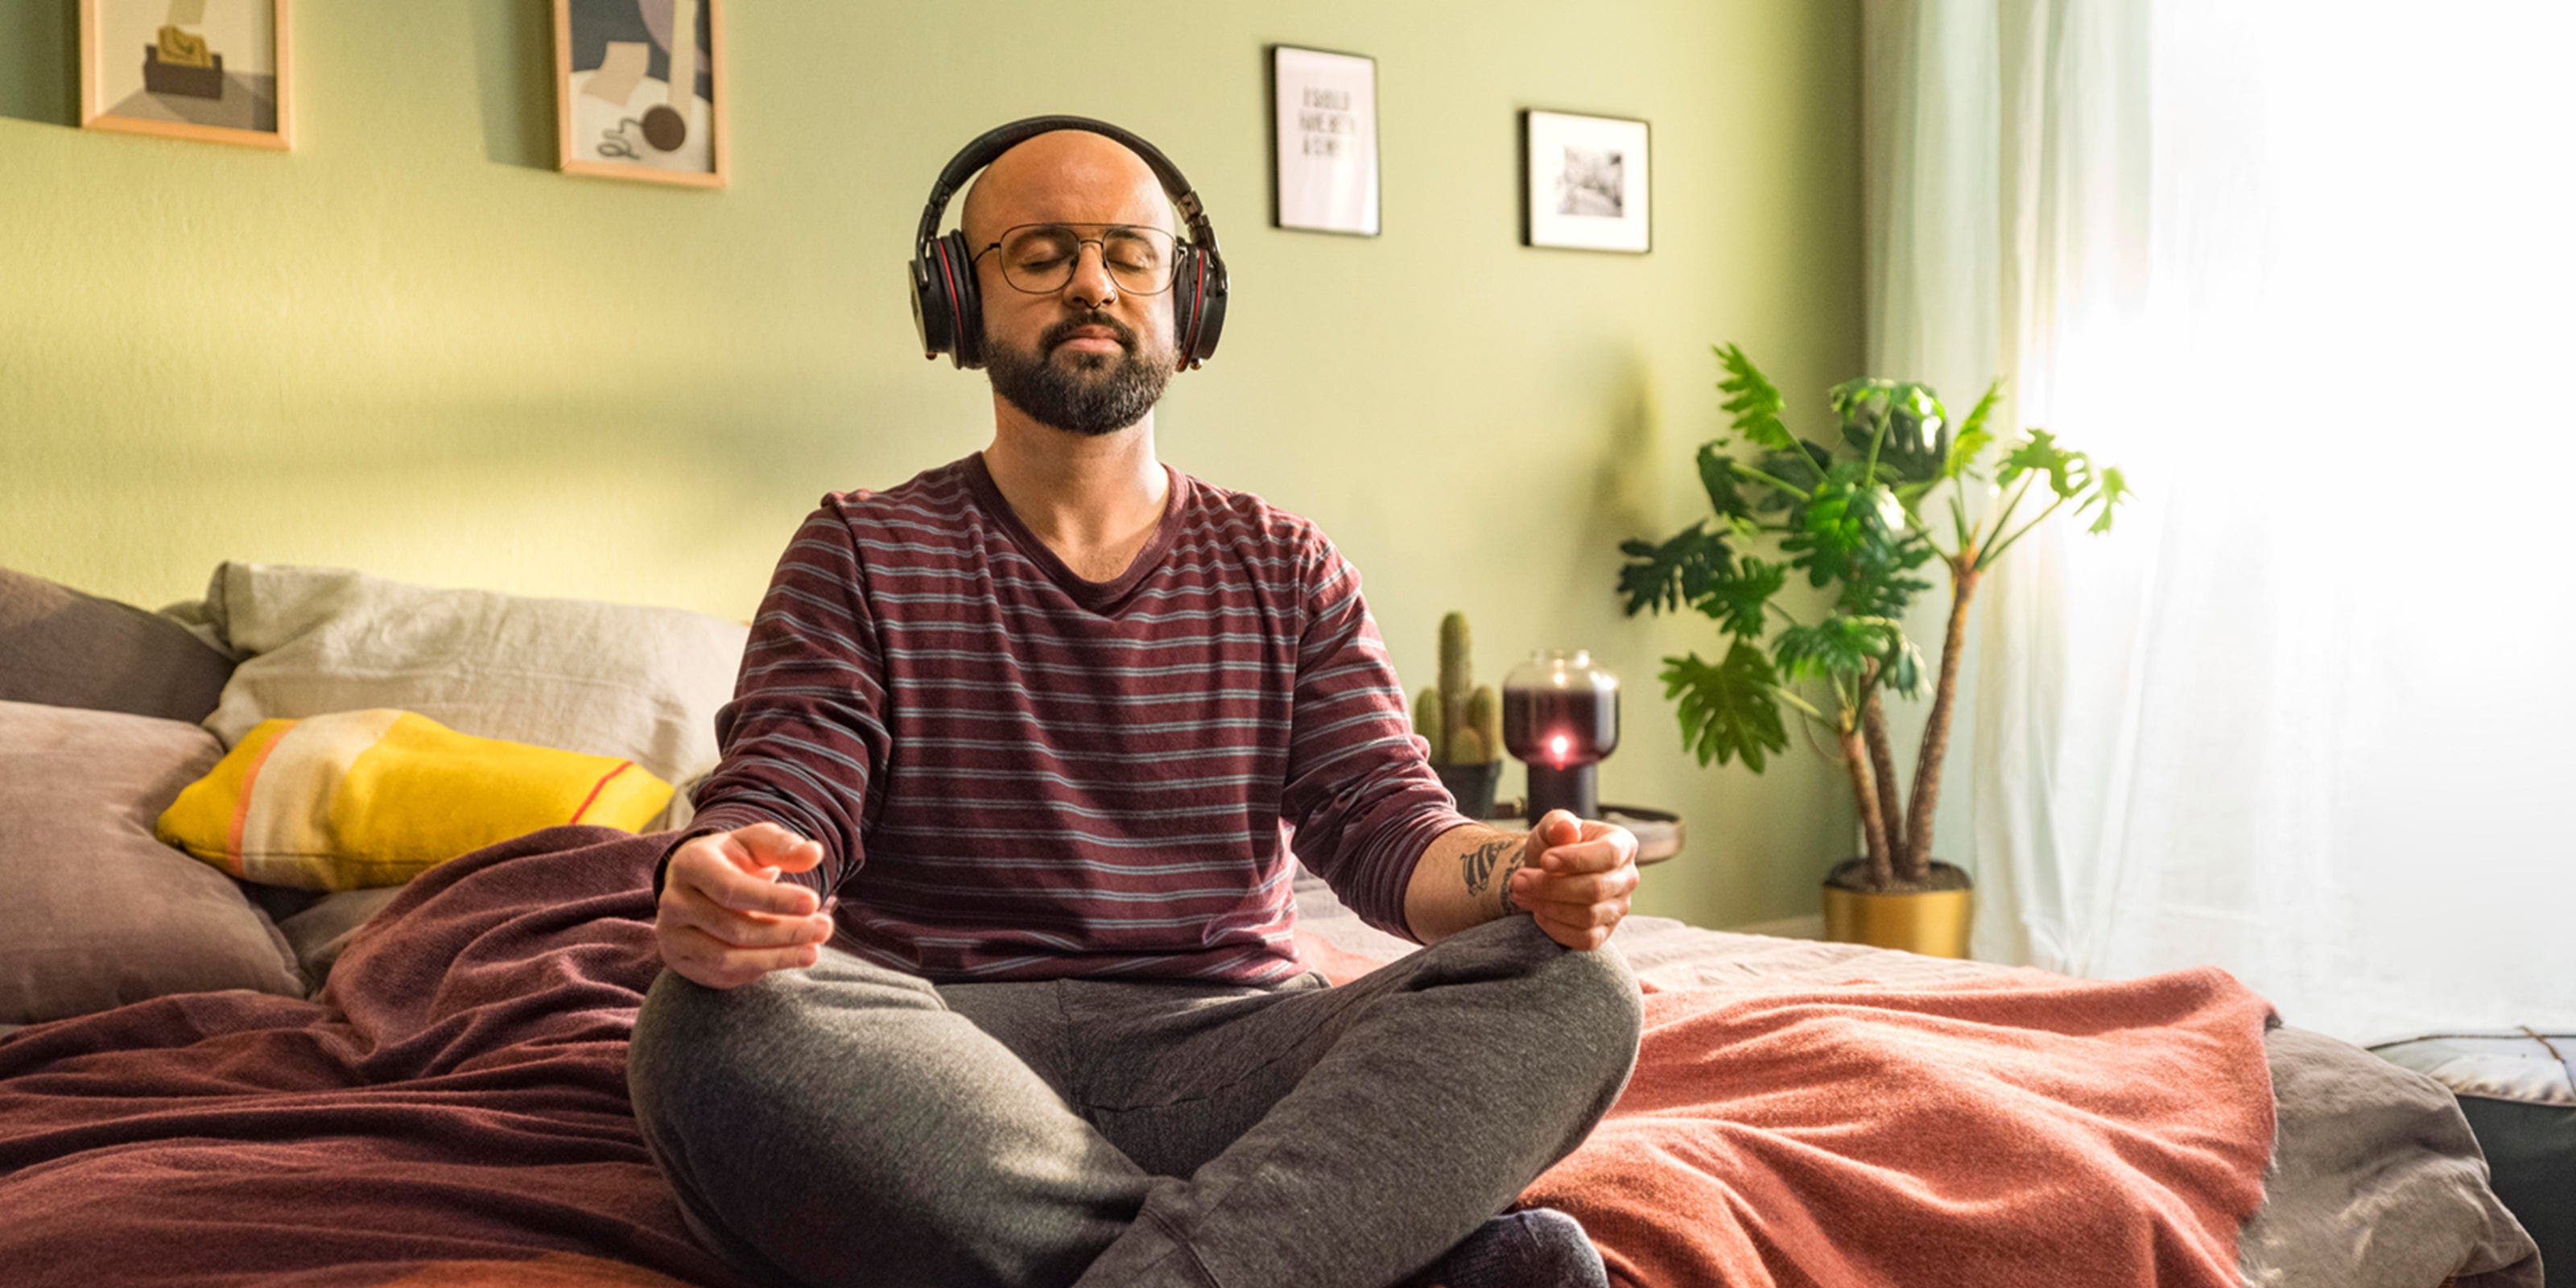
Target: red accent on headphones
x,y
1198,314
956,312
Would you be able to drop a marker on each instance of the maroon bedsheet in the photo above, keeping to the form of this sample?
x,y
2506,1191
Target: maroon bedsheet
x,y
451,1109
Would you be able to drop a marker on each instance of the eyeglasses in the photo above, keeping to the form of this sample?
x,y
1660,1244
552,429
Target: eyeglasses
x,y
1039,258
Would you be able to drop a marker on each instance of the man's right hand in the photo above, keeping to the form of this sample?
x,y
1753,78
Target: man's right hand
x,y
725,920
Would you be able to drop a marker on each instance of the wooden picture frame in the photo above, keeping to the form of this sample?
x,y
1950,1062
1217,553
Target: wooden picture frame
x,y
191,94
1585,182
619,135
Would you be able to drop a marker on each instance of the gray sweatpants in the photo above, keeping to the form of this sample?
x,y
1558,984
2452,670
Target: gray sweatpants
x,y
848,1124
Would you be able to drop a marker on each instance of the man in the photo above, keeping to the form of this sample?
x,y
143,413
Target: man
x,y
979,945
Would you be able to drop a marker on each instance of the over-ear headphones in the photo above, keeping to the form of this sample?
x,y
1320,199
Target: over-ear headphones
x,y
948,310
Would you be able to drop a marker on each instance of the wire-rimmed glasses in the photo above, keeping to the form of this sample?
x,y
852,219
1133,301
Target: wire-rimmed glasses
x,y
1039,259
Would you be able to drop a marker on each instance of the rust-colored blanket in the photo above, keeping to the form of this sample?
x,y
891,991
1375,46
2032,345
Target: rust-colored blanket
x,y
2027,1129
452,1110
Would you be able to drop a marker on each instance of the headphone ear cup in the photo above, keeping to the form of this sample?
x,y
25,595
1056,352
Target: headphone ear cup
x,y
931,319
1185,304
970,300
1207,305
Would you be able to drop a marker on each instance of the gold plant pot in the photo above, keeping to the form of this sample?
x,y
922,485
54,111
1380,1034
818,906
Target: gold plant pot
x,y
1931,922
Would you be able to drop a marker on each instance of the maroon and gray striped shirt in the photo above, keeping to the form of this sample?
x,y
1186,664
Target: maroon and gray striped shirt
x,y
1016,773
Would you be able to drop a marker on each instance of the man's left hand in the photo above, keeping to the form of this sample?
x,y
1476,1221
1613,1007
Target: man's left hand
x,y
1575,878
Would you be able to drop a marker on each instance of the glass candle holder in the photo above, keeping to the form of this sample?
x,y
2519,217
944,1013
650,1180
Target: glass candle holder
x,y
1560,717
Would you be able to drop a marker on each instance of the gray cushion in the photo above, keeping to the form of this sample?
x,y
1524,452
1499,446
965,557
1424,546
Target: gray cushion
x,y
64,648
321,931
94,911
2518,1091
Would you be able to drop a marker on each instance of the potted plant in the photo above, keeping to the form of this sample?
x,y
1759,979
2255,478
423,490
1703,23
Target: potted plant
x,y
1463,723
1846,517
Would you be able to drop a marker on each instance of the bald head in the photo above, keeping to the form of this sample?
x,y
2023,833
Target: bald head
x,y
1064,176
1085,356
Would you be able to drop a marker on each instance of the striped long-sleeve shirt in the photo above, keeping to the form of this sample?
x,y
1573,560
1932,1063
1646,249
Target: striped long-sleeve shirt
x,y
1017,773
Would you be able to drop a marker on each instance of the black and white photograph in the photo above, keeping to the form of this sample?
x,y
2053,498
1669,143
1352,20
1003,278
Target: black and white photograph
x,y
1583,184
1324,171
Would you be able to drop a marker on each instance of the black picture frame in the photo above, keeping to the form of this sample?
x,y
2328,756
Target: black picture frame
x,y
1539,230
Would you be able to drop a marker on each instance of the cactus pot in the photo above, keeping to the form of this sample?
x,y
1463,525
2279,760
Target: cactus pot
x,y
1473,785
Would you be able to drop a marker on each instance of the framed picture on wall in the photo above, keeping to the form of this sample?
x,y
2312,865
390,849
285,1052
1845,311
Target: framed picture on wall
x,y
212,70
1323,113
1584,182
640,90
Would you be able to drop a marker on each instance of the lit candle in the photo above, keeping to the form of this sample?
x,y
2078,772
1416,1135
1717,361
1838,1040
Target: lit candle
x,y
1561,716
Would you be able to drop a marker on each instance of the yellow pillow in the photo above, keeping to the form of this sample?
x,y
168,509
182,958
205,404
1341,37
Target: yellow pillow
x,y
376,797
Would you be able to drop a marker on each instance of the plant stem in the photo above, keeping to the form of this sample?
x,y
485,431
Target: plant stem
x,y
2005,515
1882,763
1964,573
1996,551
1760,477
1783,693
1865,790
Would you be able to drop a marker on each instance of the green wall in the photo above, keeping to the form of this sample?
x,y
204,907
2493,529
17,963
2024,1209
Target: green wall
x,y
409,346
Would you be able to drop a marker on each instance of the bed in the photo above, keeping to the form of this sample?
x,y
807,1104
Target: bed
x,y
209,1081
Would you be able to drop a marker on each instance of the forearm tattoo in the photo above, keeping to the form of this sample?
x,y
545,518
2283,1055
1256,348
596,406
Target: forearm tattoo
x,y
1490,866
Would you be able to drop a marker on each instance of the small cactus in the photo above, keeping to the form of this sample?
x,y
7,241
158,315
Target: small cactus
x,y
1462,720
1427,722
1485,721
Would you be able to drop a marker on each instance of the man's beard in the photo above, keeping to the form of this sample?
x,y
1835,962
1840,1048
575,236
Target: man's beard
x,y
1089,393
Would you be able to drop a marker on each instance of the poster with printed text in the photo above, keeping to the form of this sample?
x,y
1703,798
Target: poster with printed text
x,y
1324,139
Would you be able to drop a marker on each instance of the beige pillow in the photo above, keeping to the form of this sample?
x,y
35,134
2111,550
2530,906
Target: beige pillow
x,y
581,675
94,913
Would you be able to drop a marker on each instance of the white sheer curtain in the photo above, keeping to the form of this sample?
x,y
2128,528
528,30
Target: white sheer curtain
x,y
2306,272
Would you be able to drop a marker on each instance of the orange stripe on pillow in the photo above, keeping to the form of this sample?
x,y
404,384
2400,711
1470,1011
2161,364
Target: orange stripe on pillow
x,y
596,789
241,808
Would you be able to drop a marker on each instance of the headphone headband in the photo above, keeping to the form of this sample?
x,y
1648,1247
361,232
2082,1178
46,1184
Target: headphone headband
x,y
994,142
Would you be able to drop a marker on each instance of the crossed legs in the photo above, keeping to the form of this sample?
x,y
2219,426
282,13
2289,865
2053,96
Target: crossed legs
x,y
847,1124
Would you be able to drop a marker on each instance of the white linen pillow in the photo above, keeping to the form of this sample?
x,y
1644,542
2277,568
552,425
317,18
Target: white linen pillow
x,y
2530,1066
624,680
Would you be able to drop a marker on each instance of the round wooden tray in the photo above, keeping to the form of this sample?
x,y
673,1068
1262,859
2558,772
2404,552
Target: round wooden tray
x,y
1659,832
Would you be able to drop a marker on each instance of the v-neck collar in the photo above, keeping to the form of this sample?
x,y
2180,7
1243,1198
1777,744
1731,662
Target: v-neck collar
x,y
1098,596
